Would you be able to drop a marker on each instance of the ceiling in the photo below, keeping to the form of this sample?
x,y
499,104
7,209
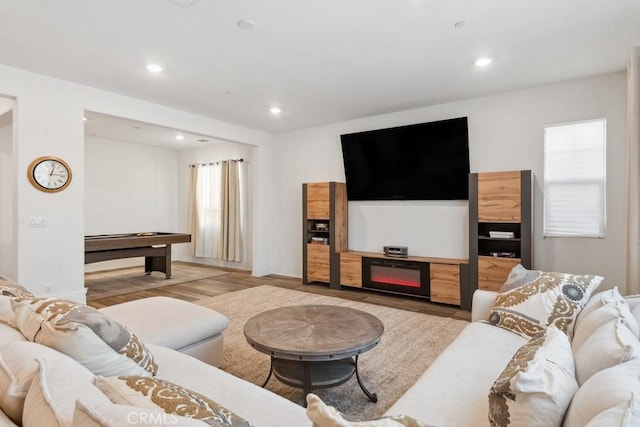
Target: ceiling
x,y
320,61
127,130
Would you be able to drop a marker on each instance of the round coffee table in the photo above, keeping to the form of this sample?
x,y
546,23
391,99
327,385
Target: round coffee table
x,y
314,346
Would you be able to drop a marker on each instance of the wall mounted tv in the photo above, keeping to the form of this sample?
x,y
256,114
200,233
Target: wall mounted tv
x,y
427,161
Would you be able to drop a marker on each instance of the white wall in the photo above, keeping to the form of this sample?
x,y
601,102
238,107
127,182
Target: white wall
x,y
207,154
7,239
505,133
48,120
129,188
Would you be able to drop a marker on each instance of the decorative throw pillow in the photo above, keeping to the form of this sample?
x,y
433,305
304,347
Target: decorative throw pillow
x,y
625,414
537,385
587,325
12,289
90,337
54,390
8,291
322,415
548,299
519,276
599,299
9,334
112,415
611,344
154,393
606,389
17,370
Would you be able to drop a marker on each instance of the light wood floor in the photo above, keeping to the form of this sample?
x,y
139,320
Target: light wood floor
x,y
240,279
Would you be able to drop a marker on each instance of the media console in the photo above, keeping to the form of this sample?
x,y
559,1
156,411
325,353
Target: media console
x,y
443,280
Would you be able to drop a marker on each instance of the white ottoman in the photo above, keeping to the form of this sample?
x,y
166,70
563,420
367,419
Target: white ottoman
x,y
176,324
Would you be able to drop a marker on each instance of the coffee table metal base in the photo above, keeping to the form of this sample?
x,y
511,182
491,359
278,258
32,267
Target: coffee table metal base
x,y
309,375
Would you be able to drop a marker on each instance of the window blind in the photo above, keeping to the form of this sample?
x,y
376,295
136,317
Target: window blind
x,y
574,179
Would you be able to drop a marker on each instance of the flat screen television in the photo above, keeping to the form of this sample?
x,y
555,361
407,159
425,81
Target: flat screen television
x,y
426,161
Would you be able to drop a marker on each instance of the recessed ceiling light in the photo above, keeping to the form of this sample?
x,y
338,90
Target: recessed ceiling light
x,y
154,68
179,137
275,110
246,24
484,61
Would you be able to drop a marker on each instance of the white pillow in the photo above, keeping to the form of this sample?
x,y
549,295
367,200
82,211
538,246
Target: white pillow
x,y
611,344
636,313
537,385
110,415
87,335
10,334
587,325
599,299
322,415
605,390
153,393
626,414
18,368
54,390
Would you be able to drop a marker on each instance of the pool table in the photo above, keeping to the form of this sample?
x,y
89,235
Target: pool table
x,y
155,247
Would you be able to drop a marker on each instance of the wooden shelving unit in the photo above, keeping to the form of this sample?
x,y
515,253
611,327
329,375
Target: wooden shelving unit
x,y
503,202
324,212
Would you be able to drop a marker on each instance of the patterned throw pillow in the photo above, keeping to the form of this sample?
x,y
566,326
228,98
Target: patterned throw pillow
x,y
12,289
112,415
153,393
96,341
519,276
545,299
537,385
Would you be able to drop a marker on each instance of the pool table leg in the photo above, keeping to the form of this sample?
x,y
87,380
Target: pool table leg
x,y
159,263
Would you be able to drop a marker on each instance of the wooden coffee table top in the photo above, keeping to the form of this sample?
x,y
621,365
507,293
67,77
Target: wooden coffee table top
x,y
313,332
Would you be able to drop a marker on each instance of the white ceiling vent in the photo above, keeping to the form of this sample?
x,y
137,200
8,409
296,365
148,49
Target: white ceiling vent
x,y
183,3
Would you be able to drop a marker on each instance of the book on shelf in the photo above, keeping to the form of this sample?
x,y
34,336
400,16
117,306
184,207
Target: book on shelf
x,y
320,240
503,254
501,234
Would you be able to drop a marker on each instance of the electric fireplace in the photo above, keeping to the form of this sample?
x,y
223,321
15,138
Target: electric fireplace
x,y
396,275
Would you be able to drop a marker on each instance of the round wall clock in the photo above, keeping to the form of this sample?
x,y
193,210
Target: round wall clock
x,y
49,174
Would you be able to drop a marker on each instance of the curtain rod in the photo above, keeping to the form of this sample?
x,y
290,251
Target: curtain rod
x,y
193,165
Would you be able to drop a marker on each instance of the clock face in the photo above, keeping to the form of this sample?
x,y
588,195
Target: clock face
x,y
49,174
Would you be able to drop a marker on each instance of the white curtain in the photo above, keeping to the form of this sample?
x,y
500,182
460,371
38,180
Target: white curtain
x,y
633,197
215,211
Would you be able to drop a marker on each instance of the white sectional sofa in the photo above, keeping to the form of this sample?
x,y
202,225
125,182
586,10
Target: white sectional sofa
x,y
453,391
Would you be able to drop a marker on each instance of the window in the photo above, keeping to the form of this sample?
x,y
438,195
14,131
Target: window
x,y
574,179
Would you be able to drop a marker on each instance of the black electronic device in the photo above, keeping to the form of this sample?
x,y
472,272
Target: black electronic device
x,y
396,251
427,161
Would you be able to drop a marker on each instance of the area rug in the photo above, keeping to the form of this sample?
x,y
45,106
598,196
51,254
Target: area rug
x,y
132,279
411,341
